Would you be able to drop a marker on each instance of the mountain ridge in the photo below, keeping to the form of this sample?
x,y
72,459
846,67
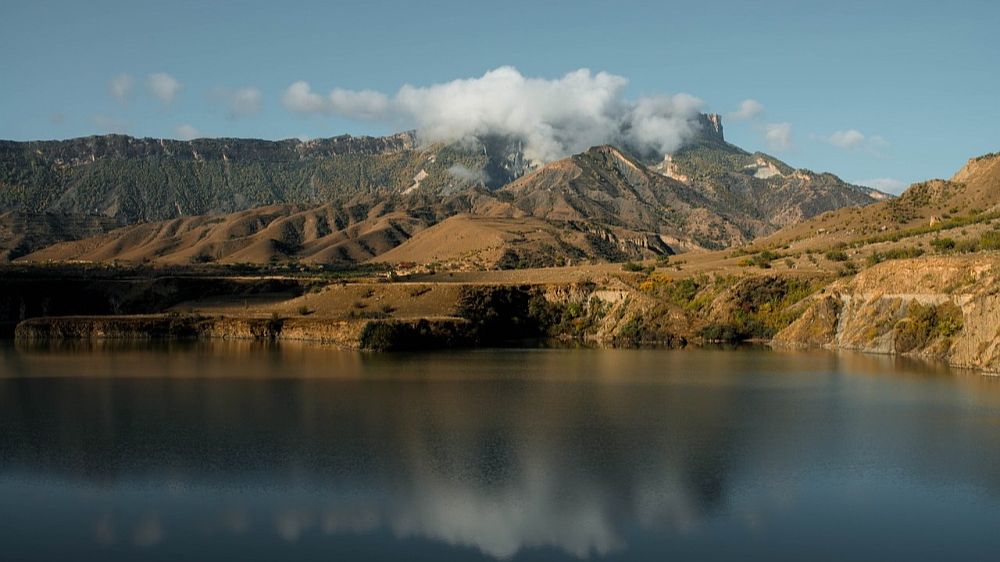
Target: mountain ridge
x,y
702,196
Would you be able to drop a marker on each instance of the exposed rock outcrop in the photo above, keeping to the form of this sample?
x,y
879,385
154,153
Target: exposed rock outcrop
x,y
945,308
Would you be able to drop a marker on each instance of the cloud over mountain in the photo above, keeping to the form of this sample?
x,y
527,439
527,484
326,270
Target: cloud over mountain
x,y
163,86
554,117
748,109
851,139
120,87
778,136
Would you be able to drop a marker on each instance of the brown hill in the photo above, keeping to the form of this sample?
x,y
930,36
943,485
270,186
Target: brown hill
x,y
969,200
352,232
469,242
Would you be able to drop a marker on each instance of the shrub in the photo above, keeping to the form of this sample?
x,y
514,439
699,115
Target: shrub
x,y
762,259
849,268
925,323
894,254
762,306
990,240
305,310
836,255
966,246
943,244
633,267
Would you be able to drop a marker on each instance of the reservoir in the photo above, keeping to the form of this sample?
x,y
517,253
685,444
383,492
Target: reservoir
x,y
238,451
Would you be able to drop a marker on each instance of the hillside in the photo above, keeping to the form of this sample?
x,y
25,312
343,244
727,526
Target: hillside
x,y
606,186
959,210
930,276
611,204
21,233
759,191
135,180
349,233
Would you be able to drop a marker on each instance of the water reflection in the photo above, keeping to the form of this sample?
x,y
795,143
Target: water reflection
x,y
295,451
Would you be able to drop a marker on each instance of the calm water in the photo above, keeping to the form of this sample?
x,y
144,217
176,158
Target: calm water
x,y
241,452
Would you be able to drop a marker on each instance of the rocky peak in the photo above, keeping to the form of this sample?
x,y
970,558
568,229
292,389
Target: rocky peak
x,y
711,125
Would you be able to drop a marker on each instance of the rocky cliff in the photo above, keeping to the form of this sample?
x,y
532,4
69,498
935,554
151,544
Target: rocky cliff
x,y
945,308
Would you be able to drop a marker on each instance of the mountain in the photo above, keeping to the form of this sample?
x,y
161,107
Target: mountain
x,y
759,191
606,186
959,207
932,285
610,203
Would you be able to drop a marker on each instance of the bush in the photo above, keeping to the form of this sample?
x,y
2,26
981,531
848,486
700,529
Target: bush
x,y
633,267
990,240
762,259
837,255
894,254
943,244
849,268
762,306
966,246
925,323
305,310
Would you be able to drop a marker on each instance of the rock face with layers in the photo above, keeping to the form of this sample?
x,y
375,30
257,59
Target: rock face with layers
x,y
945,308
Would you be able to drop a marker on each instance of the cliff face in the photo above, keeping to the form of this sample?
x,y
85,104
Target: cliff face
x,y
343,333
945,308
711,125
86,150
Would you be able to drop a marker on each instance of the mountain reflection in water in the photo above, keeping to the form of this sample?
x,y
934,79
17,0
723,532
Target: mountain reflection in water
x,y
295,452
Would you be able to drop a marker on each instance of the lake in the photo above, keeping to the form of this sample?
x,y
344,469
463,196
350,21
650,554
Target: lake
x,y
235,451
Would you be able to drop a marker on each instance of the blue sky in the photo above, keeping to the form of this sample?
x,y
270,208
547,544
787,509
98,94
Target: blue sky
x,y
894,89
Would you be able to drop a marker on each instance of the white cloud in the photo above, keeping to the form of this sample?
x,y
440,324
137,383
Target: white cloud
x,y
853,139
749,109
120,87
186,132
554,117
163,86
850,138
890,185
778,135
365,104
300,97
663,122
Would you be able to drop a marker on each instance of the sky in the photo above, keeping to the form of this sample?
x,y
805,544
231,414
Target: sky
x,y
884,93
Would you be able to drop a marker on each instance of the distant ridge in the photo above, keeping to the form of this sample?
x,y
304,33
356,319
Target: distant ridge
x,y
708,194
